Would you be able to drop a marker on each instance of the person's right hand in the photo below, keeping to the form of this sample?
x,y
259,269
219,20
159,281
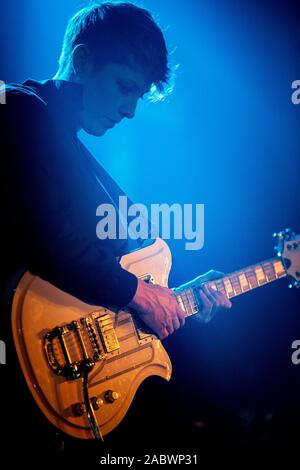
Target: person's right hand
x,y
158,307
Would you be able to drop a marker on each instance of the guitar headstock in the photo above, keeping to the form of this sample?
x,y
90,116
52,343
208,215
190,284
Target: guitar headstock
x,y
288,248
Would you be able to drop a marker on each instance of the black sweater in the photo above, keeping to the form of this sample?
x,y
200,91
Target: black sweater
x,y
50,189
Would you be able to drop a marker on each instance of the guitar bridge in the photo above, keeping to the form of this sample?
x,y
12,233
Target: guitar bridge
x,y
72,348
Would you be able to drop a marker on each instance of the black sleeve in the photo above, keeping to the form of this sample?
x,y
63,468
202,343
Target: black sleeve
x,y
53,238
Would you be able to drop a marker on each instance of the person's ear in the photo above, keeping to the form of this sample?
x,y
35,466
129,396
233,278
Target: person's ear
x,y
82,62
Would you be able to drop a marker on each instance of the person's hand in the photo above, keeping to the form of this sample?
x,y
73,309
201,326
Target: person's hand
x,y
211,300
158,307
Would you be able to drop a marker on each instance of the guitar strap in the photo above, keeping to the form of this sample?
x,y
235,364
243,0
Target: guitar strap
x,y
113,191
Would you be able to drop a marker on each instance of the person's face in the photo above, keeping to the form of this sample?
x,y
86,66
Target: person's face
x,y
110,94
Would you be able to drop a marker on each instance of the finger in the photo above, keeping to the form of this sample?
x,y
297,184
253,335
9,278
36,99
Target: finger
x,y
169,327
176,323
225,301
216,274
180,311
215,297
210,294
205,302
212,275
180,315
181,319
163,333
221,298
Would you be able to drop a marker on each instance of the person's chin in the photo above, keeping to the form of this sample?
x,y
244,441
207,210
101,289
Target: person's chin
x,y
95,130
94,126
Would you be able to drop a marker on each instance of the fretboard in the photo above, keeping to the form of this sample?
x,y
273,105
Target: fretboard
x,y
233,284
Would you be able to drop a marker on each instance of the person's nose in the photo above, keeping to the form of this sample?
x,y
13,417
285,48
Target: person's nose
x,y
128,109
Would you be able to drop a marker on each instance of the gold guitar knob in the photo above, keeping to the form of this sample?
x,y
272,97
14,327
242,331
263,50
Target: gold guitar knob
x,y
111,396
96,402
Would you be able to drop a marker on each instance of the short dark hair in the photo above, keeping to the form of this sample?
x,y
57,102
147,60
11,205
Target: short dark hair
x,y
120,32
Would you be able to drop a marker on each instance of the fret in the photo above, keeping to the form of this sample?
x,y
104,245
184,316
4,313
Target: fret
x,y
186,303
196,297
260,275
194,300
193,304
236,285
269,271
228,287
279,269
220,286
243,282
251,277
180,301
188,300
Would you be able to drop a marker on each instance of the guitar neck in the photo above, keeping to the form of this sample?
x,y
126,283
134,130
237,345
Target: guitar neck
x,y
233,284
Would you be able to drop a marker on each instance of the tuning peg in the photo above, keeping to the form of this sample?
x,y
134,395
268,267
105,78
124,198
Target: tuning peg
x,y
278,235
294,284
289,234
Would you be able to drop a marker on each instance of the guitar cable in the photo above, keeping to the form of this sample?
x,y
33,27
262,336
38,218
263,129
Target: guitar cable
x,y
89,409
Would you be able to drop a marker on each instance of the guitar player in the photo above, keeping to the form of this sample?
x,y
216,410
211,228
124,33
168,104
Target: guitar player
x,y
112,55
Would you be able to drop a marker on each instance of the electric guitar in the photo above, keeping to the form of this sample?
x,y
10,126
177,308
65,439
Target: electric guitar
x,y
83,364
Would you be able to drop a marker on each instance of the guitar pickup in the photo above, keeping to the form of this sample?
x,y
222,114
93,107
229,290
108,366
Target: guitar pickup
x,y
107,333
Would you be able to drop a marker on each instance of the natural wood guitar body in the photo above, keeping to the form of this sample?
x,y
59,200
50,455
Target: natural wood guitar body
x,y
38,307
